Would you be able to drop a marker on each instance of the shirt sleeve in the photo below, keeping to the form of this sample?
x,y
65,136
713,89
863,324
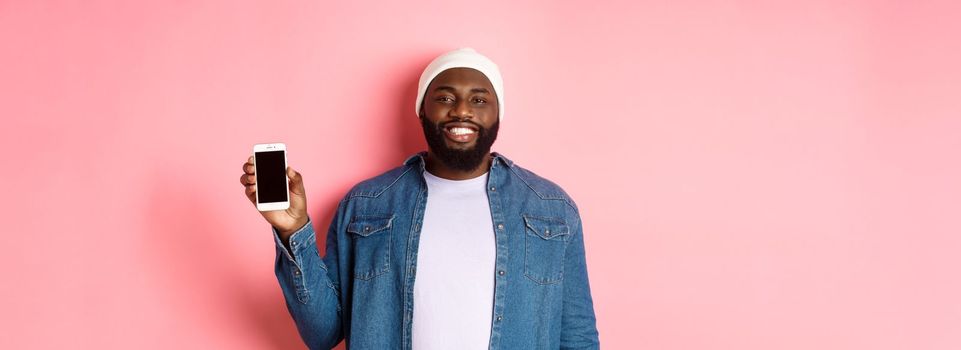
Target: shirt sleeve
x,y
312,299
579,329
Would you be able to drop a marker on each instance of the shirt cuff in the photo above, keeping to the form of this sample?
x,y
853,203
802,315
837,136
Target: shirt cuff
x,y
298,240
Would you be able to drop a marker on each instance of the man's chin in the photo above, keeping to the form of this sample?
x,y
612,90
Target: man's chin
x,y
462,147
463,160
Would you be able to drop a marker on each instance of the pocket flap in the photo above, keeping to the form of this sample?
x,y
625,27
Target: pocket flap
x,y
368,225
547,228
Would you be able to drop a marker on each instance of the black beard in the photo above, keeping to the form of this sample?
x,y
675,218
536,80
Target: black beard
x,y
462,160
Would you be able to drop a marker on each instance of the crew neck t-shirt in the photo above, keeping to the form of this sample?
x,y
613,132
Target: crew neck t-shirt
x,y
454,281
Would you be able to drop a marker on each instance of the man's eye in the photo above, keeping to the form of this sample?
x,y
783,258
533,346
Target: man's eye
x,y
444,99
480,100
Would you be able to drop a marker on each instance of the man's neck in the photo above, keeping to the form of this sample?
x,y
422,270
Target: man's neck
x,y
438,168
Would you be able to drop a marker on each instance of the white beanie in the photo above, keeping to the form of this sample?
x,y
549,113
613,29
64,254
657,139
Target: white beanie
x,y
462,58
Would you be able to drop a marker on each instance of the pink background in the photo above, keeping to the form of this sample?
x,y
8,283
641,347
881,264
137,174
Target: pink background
x,y
751,175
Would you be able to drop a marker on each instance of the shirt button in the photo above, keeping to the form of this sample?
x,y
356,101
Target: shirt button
x,y
500,226
493,189
499,318
293,243
501,272
297,272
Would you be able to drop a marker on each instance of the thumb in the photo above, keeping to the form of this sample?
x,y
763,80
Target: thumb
x,y
296,182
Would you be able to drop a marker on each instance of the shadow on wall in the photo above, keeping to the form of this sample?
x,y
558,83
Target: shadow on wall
x,y
198,262
193,253
409,138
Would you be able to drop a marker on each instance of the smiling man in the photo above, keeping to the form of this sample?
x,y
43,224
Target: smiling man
x,y
458,248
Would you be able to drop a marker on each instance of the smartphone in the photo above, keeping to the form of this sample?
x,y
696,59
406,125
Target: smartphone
x,y
270,170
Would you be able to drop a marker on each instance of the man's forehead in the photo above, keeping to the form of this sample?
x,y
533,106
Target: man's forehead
x,y
468,76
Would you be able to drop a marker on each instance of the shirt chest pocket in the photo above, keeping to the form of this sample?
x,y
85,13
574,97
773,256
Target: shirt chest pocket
x,y
371,245
545,245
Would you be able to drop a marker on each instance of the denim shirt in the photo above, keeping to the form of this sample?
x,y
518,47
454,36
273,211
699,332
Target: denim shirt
x,y
362,289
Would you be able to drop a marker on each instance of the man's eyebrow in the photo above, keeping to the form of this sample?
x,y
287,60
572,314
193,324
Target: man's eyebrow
x,y
451,89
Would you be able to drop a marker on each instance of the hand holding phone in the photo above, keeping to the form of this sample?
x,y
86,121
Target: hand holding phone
x,y
283,204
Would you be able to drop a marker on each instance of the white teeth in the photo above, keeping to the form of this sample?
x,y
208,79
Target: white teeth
x,y
461,131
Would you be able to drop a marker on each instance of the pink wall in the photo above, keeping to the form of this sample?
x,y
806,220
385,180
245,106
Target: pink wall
x,y
751,175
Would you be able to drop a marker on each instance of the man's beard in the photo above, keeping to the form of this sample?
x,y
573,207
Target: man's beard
x,y
462,160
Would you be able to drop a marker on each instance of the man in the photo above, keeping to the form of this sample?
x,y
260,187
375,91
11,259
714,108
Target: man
x,y
458,248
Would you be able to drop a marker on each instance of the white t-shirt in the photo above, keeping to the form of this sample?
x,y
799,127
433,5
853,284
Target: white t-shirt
x,y
454,284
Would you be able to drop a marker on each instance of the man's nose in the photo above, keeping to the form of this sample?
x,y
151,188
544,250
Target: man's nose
x,y
461,109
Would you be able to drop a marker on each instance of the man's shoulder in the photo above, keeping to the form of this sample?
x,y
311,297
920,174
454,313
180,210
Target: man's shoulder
x,y
540,186
377,185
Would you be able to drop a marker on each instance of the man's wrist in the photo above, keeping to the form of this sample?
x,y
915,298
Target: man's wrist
x,y
299,225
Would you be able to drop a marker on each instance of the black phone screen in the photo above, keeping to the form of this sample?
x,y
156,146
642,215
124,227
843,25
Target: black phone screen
x,y
271,176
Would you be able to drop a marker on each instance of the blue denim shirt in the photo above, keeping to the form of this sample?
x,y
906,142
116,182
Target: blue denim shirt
x,y
362,289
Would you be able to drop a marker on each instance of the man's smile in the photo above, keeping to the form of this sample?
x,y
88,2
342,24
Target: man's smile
x,y
460,132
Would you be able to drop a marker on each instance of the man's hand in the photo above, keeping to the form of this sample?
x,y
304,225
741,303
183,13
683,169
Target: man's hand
x,y
286,221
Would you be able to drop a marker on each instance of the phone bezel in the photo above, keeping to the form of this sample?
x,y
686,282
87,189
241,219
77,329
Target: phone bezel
x,y
271,147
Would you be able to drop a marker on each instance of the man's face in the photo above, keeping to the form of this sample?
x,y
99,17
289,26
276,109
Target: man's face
x,y
459,117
